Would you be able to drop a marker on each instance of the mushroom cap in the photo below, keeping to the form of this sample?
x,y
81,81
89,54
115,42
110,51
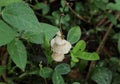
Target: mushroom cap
x,y
57,40
60,45
64,48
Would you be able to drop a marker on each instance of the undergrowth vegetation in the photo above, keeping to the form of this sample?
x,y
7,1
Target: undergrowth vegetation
x,y
59,41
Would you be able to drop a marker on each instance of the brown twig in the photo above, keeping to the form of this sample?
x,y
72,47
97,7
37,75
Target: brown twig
x,y
103,21
106,22
92,64
3,62
76,14
59,24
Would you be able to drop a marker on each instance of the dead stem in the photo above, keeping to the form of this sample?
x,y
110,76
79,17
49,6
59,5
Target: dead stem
x,y
3,62
103,21
59,24
76,14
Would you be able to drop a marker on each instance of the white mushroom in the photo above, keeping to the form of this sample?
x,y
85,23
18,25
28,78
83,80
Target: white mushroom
x,y
63,48
59,47
58,57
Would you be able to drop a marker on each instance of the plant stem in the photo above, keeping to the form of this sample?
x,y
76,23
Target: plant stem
x,y
76,14
103,21
60,26
92,64
45,81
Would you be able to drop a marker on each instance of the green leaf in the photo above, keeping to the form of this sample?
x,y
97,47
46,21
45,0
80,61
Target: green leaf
x,y
38,38
112,18
46,72
118,25
46,44
76,83
114,6
74,58
102,75
72,64
7,2
22,17
18,53
114,63
79,7
34,37
47,49
6,33
62,3
62,68
87,55
74,34
80,46
63,8
105,1
101,4
2,68
119,44
116,36
65,19
2,83
49,30
45,7
57,78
